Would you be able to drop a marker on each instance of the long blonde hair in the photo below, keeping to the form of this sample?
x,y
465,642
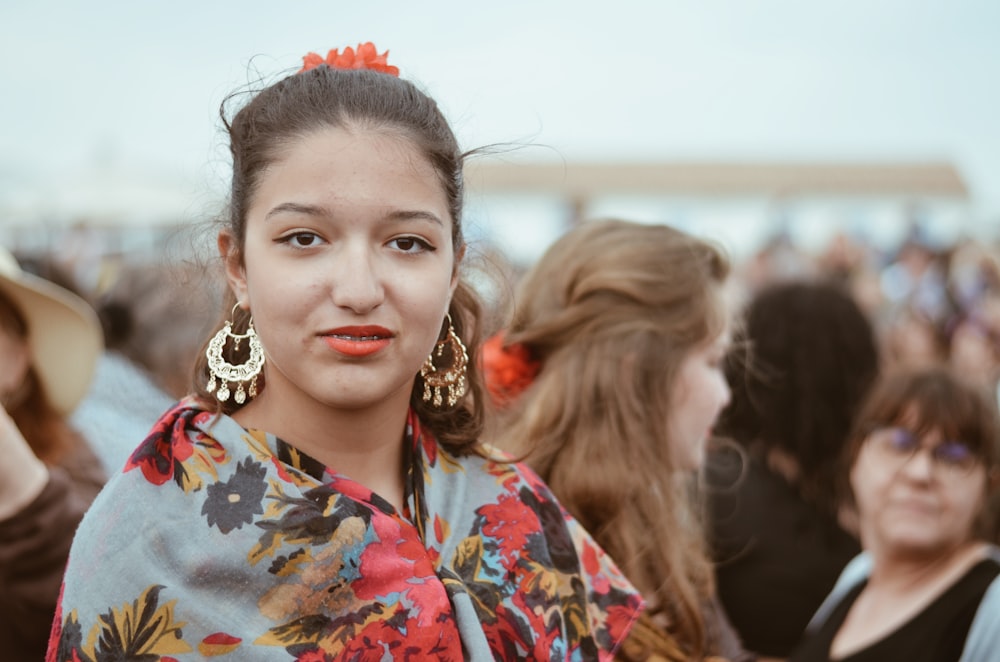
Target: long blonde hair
x,y
610,311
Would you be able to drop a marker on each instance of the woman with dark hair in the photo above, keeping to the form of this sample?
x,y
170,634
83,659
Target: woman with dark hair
x,y
805,358
922,473
323,494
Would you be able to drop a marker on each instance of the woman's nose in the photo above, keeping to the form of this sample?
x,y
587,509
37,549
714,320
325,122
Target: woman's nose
x,y
357,284
920,464
727,394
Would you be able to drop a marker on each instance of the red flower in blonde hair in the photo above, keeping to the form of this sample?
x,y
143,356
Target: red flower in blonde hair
x,y
366,57
507,369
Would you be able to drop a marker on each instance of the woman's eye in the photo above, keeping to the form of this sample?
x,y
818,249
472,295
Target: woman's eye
x,y
301,239
953,452
901,440
410,244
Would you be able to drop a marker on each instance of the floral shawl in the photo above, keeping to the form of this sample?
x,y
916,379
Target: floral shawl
x,y
219,541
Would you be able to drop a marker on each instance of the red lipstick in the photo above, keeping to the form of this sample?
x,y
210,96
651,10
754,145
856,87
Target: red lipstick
x,y
358,341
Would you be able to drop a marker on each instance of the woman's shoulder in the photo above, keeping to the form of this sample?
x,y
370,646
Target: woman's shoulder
x,y
186,441
491,465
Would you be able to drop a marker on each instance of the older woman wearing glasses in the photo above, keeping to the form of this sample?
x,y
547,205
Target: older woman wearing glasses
x,y
923,476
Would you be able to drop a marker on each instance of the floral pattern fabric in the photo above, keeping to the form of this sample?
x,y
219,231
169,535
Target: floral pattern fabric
x,y
221,541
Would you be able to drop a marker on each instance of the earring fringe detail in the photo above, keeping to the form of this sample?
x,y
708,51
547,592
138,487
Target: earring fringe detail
x,y
227,373
446,383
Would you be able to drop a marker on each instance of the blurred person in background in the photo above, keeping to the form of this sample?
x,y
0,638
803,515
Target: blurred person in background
x,y
608,380
917,310
909,338
974,282
779,259
916,276
154,318
921,474
49,342
853,263
803,361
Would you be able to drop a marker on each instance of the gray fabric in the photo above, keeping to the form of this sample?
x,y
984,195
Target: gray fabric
x,y
477,648
121,406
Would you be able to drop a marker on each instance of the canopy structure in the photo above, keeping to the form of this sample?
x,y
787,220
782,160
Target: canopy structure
x,y
581,180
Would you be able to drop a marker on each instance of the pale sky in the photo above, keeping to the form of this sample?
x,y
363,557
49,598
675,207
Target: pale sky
x,y
134,87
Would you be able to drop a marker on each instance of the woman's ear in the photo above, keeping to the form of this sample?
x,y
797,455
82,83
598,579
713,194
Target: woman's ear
x,y
231,259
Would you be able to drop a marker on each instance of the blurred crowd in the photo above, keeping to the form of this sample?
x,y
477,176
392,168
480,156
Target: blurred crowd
x,y
929,303
840,316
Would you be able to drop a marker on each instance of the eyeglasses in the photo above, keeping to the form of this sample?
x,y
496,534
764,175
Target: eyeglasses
x,y
954,459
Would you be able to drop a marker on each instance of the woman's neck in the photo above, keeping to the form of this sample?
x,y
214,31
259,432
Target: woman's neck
x,y
366,445
905,573
899,588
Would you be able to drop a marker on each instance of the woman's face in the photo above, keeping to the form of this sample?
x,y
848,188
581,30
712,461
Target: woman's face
x,y
348,268
698,397
913,497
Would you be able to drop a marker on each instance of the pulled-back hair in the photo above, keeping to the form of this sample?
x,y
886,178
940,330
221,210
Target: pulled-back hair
x,y
357,99
938,399
811,358
610,311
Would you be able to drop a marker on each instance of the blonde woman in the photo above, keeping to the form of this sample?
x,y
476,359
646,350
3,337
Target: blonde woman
x,y
609,378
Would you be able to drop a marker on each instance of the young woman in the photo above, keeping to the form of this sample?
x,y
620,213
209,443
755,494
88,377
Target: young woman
x,y
49,343
610,379
323,495
923,476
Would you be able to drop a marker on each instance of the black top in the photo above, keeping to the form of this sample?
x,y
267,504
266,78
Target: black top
x,y
936,634
777,556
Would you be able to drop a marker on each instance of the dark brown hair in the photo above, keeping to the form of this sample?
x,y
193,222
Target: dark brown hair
x,y
940,400
802,364
322,98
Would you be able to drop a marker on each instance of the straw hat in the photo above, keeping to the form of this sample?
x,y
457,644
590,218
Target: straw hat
x,y
63,331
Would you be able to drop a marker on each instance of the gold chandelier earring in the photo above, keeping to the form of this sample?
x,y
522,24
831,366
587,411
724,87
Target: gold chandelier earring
x,y
228,373
450,377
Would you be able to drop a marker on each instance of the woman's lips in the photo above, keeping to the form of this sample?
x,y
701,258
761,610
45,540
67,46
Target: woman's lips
x,y
358,340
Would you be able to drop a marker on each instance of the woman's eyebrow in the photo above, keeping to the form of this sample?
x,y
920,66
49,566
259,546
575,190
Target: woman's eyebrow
x,y
297,208
414,215
317,210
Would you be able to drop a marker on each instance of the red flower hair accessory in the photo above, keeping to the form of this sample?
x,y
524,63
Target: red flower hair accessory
x,y
507,369
366,57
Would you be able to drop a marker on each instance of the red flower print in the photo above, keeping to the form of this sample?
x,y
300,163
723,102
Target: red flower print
x,y
621,617
166,446
509,522
219,643
592,566
398,563
314,655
